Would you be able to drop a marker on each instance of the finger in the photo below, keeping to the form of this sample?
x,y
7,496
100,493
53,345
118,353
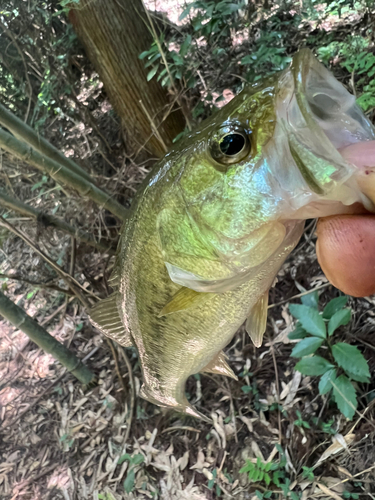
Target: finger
x,y
362,155
346,252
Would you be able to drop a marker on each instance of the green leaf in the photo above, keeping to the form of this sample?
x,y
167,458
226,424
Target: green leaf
x,y
341,317
144,54
123,458
316,365
311,299
352,361
267,479
185,12
298,333
185,46
310,319
246,389
129,481
334,305
152,73
325,383
345,396
306,346
137,459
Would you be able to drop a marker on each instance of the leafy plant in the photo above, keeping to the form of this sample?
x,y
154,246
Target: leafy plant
x,y
134,460
356,56
339,365
270,475
300,422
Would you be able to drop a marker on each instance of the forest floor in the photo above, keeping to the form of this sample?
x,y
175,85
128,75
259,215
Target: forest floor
x,y
62,441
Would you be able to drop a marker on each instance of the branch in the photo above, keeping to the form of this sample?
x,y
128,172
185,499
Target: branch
x,y
72,283
43,339
61,174
25,133
49,220
34,283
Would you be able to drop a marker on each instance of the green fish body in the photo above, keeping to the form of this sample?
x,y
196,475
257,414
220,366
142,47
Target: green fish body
x,y
214,221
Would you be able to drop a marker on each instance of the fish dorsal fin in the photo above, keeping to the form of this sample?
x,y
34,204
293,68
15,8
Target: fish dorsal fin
x,y
185,298
257,321
220,366
105,316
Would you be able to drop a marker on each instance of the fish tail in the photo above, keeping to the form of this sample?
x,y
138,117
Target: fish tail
x,y
169,401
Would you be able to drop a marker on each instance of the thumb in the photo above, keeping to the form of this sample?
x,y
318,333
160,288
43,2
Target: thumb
x,y
346,252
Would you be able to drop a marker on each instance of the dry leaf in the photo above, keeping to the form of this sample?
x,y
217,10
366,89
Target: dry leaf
x,y
329,492
336,447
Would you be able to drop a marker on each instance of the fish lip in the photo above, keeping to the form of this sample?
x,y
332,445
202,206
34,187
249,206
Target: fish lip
x,y
302,64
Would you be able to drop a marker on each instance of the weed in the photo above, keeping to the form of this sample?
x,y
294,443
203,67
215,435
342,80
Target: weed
x,y
339,365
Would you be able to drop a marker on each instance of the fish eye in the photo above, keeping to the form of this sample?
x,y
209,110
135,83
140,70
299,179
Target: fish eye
x,y
230,144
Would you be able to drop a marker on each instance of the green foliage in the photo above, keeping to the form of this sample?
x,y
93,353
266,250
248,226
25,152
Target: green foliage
x,y
133,460
357,57
300,422
308,473
271,475
340,364
310,320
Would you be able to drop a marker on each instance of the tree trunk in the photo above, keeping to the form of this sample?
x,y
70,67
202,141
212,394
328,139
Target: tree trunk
x,y
114,33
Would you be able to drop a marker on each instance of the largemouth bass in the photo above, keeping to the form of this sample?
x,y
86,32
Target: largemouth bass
x,y
216,218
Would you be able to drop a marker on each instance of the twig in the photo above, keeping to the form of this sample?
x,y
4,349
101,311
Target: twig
x,y
154,127
69,280
278,392
49,220
180,428
25,133
14,40
114,354
34,283
351,478
61,174
232,411
132,394
320,287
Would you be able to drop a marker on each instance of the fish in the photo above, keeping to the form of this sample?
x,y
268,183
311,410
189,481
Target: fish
x,y
216,218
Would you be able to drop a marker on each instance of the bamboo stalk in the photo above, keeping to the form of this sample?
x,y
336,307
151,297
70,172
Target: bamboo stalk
x,y
25,133
43,339
49,220
60,173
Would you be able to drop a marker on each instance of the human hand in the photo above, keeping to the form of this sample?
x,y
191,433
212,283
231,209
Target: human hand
x,y
346,243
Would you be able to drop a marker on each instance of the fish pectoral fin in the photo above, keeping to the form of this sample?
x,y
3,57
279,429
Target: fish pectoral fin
x,y
185,298
105,317
257,321
220,366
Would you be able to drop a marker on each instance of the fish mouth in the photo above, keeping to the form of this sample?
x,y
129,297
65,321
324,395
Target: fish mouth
x,y
319,117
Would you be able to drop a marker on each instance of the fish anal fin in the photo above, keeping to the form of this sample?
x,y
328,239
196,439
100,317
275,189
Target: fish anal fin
x,y
105,317
184,299
220,366
256,323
